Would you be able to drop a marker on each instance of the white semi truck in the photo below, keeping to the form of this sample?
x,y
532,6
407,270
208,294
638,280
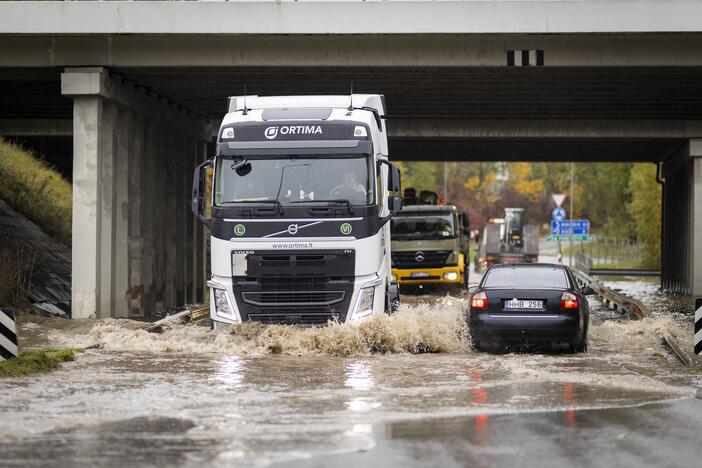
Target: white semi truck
x,y
298,200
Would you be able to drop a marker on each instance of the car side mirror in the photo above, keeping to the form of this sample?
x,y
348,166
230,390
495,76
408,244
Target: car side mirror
x,y
588,291
472,289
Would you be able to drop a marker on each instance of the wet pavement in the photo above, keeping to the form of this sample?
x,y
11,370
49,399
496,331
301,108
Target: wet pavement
x,y
355,396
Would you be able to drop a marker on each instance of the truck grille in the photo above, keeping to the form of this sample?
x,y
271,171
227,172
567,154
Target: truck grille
x,y
292,319
306,288
293,298
432,259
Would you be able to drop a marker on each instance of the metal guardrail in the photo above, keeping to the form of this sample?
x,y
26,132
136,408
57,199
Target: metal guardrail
x,y
623,272
612,298
633,307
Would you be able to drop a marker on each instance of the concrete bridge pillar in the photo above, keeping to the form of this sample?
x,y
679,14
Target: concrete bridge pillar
x,y
135,246
682,220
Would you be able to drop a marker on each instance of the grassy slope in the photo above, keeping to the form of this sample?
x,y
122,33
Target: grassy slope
x,y
34,189
34,362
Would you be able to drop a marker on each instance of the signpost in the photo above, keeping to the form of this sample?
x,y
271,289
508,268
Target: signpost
x,y
558,198
566,237
559,214
577,227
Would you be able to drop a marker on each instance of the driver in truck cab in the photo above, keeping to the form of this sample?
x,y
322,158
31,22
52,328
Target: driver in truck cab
x,y
349,185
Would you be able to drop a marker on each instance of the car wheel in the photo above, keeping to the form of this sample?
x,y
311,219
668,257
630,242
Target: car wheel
x,y
476,344
581,346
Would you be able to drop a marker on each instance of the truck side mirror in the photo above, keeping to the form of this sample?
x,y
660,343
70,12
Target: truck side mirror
x,y
394,203
466,220
393,179
199,190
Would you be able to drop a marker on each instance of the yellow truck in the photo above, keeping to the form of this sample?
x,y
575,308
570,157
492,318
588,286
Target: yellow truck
x,y
430,247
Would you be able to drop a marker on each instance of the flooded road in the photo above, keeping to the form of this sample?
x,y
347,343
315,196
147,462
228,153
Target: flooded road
x,y
282,395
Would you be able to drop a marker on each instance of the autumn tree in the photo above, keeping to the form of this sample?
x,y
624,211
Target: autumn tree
x,y
645,210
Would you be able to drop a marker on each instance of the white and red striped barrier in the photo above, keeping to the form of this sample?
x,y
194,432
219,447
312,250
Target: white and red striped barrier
x,y
698,326
8,334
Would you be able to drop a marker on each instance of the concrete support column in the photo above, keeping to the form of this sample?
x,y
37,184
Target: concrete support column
x,y
87,206
696,217
132,231
135,279
682,221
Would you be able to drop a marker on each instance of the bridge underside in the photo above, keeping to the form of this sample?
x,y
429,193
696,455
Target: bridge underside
x,y
456,113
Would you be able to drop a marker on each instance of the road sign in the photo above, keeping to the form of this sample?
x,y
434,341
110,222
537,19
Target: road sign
x,y
559,214
558,198
562,228
576,238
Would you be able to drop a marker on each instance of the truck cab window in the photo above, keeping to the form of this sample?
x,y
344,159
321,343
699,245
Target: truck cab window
x,y
296,178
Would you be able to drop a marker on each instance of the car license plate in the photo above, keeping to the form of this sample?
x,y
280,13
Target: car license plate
x,y
419,274
523,304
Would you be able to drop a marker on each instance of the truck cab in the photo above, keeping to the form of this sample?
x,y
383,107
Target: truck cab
x,y
508,240
298,200
430,246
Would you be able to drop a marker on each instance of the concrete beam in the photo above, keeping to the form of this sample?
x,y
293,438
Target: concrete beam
x,y
458,128
335,50
323,17
36,127
96,81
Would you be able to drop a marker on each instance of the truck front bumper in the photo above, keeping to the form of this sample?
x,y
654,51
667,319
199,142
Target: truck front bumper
x,y
445,275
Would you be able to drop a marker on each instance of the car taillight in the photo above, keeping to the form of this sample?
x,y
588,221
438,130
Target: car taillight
x,y
479,300
569,301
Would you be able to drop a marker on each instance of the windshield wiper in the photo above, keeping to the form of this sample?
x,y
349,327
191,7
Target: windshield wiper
x,y
277,204
337,201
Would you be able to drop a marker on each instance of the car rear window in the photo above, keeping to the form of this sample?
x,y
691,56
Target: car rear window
x,y
526,278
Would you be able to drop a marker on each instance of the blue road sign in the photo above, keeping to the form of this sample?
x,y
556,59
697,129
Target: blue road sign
x,y
559,214
562,228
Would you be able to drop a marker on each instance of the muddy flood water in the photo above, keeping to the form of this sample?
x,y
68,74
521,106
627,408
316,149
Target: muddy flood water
x,y
256,395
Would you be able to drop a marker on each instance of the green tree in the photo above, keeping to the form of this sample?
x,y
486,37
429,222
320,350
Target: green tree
x,y
603,196
645,210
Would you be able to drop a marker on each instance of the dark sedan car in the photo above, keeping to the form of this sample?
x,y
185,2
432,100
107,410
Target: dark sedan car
x,y
530,304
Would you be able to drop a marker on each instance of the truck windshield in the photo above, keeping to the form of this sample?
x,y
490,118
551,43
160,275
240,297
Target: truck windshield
x,y
295,179
435,226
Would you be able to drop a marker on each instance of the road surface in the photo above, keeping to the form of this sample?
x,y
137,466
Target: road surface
x,y
344,396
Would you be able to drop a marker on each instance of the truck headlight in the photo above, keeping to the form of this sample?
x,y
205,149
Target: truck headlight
x,y
364,304
227,134
221,303
450,276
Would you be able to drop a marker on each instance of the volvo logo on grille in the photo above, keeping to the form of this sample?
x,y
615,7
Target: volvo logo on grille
x,y
292,229
419,256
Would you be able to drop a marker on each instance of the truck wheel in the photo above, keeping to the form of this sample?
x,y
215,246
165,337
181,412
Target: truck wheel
x,y
392,298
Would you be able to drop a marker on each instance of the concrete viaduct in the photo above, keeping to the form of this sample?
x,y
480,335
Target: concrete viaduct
x,y
138,88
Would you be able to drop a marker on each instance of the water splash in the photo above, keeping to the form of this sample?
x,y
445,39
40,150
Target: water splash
x,y
422,328
415,329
